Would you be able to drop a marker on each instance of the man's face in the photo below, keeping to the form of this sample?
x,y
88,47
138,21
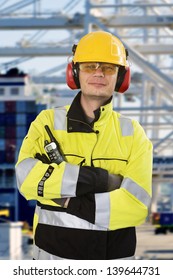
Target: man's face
x,y
98,79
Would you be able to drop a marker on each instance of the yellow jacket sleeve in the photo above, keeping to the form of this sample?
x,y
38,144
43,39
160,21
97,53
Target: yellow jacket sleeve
x,y
128,205
37,180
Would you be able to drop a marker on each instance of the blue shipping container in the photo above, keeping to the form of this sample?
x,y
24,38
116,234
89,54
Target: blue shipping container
x,y
2,107
20,119
21,106
30,107
21,131
2,132
2,119
2,144
10,119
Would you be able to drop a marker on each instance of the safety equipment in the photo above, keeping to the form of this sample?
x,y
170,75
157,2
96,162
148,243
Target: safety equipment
x,y
99,46
91,67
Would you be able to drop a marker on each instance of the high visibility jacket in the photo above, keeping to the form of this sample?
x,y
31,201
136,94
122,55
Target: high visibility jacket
x,y
97,225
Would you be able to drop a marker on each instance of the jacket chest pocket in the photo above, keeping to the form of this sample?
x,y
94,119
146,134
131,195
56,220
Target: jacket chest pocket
x,y
75,159
113,165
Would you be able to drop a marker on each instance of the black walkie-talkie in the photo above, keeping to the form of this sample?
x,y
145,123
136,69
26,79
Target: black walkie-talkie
x,y
53,148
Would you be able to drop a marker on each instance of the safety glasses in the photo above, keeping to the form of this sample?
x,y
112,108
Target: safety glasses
x,y
91,67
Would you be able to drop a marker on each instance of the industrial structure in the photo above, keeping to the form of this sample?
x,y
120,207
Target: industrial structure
x,y
146,29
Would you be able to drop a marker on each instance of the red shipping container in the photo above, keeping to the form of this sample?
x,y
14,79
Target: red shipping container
x,y
10,106
10,144
10,156
10,132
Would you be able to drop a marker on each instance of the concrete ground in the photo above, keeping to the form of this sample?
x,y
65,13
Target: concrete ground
x,y
153,246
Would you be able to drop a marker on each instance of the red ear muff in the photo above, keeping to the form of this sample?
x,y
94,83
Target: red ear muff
x,y
123,79
72,76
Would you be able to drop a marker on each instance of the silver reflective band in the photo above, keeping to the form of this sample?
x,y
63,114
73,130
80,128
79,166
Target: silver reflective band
x,y
40,254
136,191
23,169
37,210
66,220
60,121
69,180
126,126
102,215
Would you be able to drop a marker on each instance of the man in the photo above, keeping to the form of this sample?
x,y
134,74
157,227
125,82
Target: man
x,y
91,199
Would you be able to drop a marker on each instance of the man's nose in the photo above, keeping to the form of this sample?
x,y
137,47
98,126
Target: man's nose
x,y
99,72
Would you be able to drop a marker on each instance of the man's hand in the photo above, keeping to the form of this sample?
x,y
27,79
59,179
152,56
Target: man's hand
x,y
62,201
96,180
114,182
42,158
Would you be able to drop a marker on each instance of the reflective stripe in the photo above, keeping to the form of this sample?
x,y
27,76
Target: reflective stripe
x,y
137,191
40,254
60,120
37,209
65,220
126,126
69,180
128,258
36,251
23,169
102,209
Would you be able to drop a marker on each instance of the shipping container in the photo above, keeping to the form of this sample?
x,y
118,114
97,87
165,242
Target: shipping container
x,y
1,175
18,143
2,119
15,120
2,107
10,178
31,107
2,132
20,119
40,107
2,144
21,131
10,132
10,119
2,156
10,156
10,106
10,144
21,106
30,117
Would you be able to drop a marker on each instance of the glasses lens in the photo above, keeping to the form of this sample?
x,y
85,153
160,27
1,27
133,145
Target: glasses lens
x,y
91,67
88,67
108,68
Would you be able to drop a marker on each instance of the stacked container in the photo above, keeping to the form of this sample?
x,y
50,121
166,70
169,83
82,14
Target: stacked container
x,y
15,119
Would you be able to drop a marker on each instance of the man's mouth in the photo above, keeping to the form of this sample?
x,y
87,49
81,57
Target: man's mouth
x,y
97,84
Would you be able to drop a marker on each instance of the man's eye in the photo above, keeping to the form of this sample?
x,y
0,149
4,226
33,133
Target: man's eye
x,y
108,67
91,67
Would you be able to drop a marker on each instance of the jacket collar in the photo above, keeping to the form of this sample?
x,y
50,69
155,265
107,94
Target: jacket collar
x,y
77,120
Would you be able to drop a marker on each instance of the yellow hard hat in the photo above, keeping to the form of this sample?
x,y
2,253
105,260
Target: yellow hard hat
x,y
100,46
